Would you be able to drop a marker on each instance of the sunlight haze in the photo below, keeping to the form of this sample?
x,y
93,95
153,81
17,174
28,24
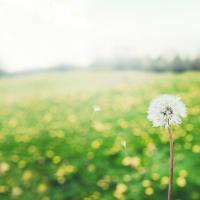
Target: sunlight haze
x,y
45,33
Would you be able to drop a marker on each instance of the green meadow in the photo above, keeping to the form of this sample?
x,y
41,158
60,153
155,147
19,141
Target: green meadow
x,y
54,146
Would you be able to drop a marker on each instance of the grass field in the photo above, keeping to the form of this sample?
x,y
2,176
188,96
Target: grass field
x,y
53,146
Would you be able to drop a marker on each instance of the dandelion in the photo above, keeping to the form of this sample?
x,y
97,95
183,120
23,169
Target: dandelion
x,y
165,111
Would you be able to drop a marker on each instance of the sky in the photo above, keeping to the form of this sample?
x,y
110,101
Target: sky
x,y
44,33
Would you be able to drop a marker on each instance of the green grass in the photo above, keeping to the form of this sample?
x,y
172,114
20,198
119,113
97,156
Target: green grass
x,y
54,147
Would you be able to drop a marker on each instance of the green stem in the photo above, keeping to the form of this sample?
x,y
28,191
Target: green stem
x,y
171,164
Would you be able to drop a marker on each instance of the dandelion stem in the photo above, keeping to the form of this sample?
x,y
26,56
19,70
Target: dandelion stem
x,y
171,164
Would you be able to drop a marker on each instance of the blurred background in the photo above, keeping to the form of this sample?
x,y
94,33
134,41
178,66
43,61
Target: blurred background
x,y
76,80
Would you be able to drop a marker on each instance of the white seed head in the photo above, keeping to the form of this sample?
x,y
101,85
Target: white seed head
x,y
166,110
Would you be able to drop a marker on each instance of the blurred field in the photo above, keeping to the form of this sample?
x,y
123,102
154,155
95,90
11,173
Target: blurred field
x,y
53,146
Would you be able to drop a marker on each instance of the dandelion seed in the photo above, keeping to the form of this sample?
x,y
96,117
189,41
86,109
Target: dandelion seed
x,y
123,143
96,108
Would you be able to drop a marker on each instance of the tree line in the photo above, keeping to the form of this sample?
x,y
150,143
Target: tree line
x,y
159,64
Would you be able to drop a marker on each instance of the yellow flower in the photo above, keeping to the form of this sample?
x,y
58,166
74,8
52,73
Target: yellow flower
x,y
146,183
3,189
27,175
164,180
181,181
49,153
196,148
4,167
149,191
63,171
16,191
56,159
96,144
155,176
120,189
131,161
22,164
42,188
183,173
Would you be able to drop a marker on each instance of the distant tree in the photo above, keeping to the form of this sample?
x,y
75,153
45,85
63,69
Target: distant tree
x,y
196,64
177,64
1,71
159,64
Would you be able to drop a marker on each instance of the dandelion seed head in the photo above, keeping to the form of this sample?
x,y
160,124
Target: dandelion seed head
x,y
166,110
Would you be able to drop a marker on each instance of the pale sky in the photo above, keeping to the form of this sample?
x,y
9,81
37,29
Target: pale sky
x,y
43,33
